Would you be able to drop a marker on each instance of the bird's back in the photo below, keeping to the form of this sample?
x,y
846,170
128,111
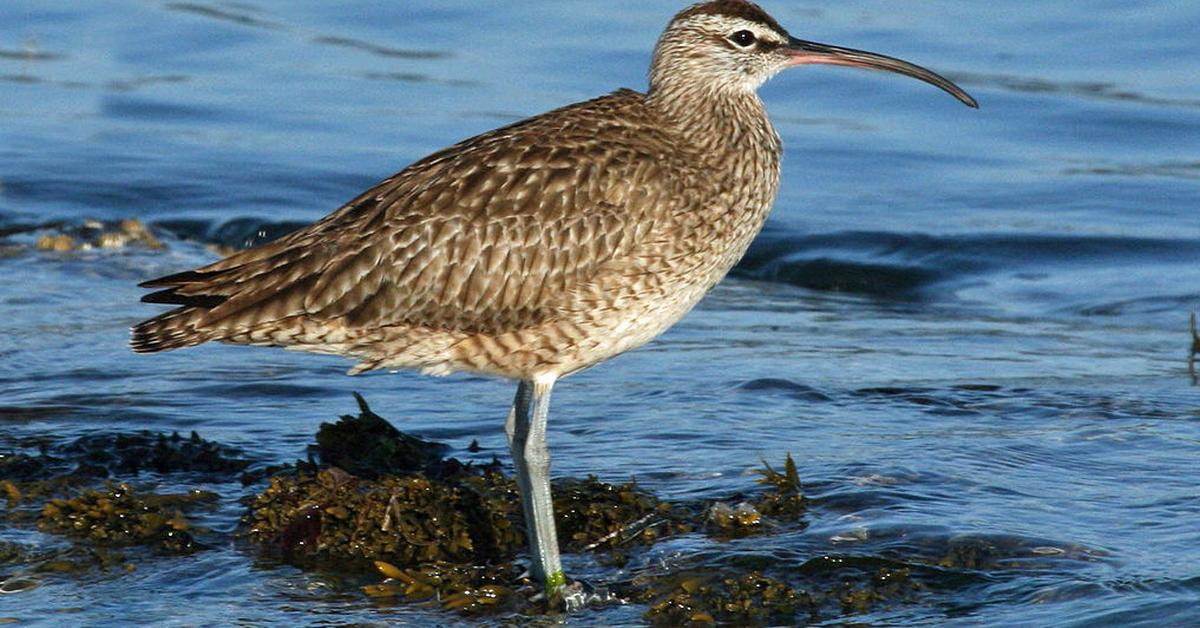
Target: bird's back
x,y
550,224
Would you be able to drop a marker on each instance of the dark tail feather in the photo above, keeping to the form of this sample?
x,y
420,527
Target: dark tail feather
x,y
171,330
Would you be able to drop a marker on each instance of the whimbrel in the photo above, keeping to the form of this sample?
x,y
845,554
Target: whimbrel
x,y
535,250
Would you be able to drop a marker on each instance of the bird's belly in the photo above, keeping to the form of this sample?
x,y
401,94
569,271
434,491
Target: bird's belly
x,y
574,340
634,326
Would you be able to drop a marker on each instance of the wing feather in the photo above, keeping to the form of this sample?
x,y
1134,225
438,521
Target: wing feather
x,y
490,234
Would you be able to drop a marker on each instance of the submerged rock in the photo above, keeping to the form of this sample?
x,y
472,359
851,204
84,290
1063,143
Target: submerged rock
x,y
886,586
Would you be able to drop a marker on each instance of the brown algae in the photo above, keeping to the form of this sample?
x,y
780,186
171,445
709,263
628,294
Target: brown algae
x,y
708,598
433,530
91,235
119,516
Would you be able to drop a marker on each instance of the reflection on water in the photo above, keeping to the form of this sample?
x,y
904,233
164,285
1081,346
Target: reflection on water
x,y
1194,352
240,16
30,53
412,77
968,328
376,49
1099,91
1177,169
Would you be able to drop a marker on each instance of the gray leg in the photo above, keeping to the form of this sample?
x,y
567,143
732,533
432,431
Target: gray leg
x,y
527,442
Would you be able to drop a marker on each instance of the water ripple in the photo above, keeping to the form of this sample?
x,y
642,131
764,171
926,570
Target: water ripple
x,y
1086,89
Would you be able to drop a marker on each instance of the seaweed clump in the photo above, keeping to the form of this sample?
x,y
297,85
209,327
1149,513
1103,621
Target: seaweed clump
x,y
127,454
783,501
887,585
467,589
706,599
118,516
406,520
390,497
57,486
368,446
590,514
96,234
90,235
57,469
437,528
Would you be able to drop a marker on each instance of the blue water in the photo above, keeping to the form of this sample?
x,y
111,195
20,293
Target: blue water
x,y
967,326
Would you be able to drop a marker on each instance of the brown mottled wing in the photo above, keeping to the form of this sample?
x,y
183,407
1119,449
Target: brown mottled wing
x,y
491,234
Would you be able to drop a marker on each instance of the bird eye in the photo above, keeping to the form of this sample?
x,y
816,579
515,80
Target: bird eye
x,y
745,39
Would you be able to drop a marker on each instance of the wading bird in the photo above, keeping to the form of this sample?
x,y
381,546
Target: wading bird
x,y
535,250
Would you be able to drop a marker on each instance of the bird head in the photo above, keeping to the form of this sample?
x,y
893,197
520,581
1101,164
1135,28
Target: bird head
x,y
733,46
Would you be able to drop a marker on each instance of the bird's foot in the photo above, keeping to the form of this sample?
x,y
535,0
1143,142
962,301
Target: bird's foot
x,y
574,596
579,595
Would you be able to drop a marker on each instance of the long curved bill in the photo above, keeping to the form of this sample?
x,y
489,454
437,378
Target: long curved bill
x,y
803,52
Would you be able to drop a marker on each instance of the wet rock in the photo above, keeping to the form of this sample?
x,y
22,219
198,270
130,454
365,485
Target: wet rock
x,y
970,553
727,521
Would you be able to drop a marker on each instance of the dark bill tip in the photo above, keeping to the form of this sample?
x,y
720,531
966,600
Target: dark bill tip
x,y
803,52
